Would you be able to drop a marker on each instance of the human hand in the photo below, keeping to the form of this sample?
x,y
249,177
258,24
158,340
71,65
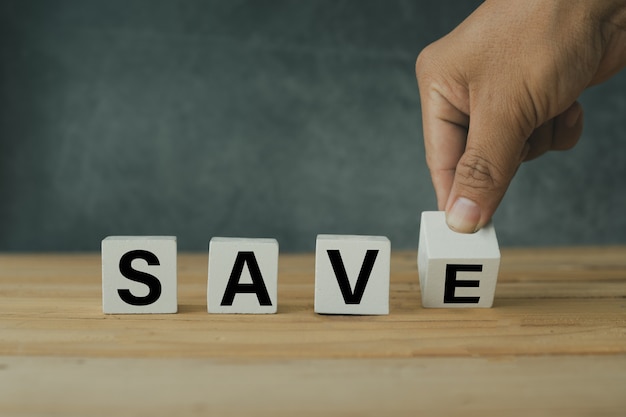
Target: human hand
x,y
501,89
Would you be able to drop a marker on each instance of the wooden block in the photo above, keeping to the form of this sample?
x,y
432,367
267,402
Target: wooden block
x,y
139,275
456,269
352,274
243,276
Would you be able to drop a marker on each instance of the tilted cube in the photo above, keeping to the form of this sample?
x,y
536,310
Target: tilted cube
x,y
456,269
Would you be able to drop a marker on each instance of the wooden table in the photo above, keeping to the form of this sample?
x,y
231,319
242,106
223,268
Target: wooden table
x,y
554,344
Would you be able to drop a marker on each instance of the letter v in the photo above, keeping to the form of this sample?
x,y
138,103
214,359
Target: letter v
x,y
349,296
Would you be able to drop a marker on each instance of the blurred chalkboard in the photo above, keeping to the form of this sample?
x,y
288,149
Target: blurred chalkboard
x,y
249,118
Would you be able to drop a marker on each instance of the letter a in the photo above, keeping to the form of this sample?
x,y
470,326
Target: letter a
x,y
243,276
257,286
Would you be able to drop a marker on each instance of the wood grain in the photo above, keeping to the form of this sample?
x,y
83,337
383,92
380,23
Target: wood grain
x,y
515,386
554,344
548,302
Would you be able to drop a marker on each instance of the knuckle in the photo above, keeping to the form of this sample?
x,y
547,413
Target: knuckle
x,y
424,61
421,61
478,172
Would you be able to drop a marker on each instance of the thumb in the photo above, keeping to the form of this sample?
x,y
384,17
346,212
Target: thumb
x,y
494,151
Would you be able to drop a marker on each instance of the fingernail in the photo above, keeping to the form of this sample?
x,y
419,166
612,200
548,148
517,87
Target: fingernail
x,y
464,216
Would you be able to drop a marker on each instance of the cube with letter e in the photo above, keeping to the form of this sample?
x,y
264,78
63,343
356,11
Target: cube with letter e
x,y
456,269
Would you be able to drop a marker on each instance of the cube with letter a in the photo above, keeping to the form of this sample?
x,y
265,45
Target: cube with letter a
x,y
243,276
456,269
139,275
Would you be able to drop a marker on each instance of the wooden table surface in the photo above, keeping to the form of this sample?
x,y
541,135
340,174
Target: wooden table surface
x,y
553,344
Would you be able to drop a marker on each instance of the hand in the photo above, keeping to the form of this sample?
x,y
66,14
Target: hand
x,y
501,89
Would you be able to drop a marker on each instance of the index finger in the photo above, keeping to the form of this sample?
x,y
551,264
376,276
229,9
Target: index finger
x,y
445,135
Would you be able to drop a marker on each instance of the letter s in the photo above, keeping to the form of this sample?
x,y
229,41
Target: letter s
x,y
151,281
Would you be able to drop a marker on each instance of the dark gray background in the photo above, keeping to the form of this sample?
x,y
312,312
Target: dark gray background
x,y
276,119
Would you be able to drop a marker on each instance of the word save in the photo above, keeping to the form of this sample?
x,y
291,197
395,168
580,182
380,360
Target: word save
x,y
352,273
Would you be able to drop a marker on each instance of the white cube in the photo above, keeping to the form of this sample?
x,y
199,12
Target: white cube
x,y
139,275
352,274
456,269
243,276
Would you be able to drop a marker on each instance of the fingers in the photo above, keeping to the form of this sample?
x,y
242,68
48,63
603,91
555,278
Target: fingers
x,y
480,125
495,149
444,124
559,134
444,139
471,162
568,127
498,89
492,156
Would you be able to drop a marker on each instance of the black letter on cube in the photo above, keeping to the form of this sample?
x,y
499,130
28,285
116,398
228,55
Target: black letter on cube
x,y
151,281
257,286
452,283
350,297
